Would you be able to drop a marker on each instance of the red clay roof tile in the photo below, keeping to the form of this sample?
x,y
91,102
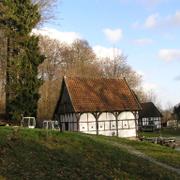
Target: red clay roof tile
x,y
92,95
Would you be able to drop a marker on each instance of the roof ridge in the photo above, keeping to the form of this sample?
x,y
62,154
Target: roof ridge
x,y
135,98
92,78
147,102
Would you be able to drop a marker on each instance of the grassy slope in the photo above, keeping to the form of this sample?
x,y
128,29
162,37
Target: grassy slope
x,y
38,154
161,153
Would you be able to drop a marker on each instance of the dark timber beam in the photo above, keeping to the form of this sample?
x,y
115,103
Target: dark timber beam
x,y
96,115
116,114
78,115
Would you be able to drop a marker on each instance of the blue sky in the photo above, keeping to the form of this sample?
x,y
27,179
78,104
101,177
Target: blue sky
x,y
147,31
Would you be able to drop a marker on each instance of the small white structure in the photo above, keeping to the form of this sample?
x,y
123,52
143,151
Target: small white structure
x,y
53,125
29,122
172,123
98,106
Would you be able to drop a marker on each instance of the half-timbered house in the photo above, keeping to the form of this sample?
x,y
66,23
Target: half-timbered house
x,y
150,117
98,106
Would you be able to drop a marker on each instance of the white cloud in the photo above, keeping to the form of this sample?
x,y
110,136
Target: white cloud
x,y
113,35
173,20
177,78
143,41
146,3
151,21
169,54
103,52
149,3
156,21
141,73
67,37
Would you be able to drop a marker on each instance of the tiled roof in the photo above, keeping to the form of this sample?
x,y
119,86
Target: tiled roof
x,y
92,95
149,110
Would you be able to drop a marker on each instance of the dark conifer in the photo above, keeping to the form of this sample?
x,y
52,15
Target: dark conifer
x,y
17,19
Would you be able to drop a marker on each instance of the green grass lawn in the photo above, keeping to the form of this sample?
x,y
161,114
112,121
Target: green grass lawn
x,y
40,154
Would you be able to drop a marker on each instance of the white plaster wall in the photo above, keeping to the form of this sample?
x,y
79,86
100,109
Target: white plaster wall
x,y
113,125
127,133
90,132
87,118
132,124
108,133
110,116
90,117
126,115
158,123
120,124
106,116
110,128
145,121
128,121
83,127
107,127
101,126
102,117
92,126
125,124
172,123
83,118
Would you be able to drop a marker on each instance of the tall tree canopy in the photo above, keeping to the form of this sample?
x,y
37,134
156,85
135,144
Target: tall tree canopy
x,y
17,19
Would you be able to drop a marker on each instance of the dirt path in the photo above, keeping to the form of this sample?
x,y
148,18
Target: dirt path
x,y
142,155
135,152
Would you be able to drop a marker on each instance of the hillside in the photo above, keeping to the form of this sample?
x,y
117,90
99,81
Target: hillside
x,y
40,154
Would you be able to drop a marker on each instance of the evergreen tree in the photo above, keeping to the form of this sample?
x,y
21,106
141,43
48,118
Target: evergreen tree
x,y
17,18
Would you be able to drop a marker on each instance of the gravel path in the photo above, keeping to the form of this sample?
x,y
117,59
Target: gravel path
x,y
142,155
135,152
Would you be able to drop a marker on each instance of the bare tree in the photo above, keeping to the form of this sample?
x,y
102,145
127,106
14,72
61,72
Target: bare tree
x,y
52,49
77,59
118,68
46,9
48,71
